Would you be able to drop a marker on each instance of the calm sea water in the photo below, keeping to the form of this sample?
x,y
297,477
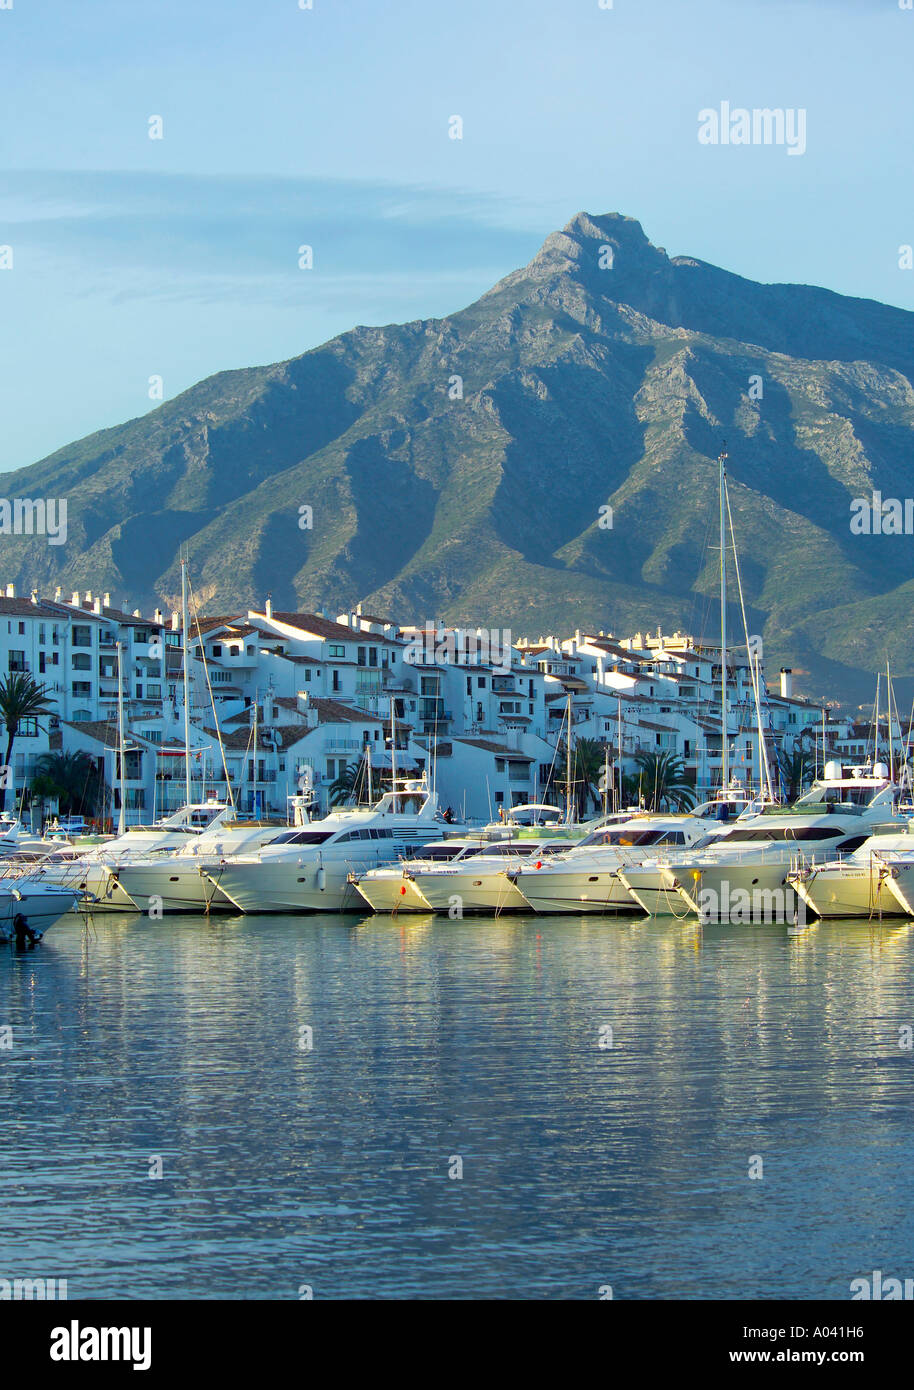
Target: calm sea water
x,y
435,1041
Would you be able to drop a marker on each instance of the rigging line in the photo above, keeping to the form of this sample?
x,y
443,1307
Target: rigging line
x,y
209,687
753,670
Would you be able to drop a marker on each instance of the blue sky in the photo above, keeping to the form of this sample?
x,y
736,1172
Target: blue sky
x,y
179,257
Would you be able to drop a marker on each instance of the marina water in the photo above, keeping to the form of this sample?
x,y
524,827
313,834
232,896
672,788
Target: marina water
x,y
418,1107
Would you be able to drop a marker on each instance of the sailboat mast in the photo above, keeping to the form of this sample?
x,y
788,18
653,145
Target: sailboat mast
x,y
876,723
725,751
122,815
186,684
619,728
888,682
568,765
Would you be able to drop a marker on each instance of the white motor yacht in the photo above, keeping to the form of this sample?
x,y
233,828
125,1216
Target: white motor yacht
x,y
584,878
88,871
392,888
41,904
743,875
858,884
309,870
483,882
169,880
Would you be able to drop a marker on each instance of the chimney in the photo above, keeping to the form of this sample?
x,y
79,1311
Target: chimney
x,y
57,593
11,590
156,617
34,595
268,606
175,622
74,599
106,601
786,682
97,606
88,598
137,613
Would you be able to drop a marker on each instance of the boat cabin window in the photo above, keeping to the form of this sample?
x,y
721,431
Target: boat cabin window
x,y
780,832
624,837
441,853
302,837
854,842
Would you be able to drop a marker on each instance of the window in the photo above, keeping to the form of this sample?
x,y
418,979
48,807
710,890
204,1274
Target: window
x,y
481,682
372,656
41,662
361,656
82,661
22,629
217,649
41,636
27,727
336,685
82,635
337,651
331,768
17,661
81,688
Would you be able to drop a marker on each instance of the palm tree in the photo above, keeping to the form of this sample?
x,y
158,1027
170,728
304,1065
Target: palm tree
x,y
72,780
21,697
346,784
664,781
587,768
795,769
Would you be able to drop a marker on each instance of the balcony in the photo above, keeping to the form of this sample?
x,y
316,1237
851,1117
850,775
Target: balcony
x,y
343,745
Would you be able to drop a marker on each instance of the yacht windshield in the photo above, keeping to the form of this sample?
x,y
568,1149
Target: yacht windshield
x,y
302,837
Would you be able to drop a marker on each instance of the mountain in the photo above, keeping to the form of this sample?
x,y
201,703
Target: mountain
x,y
604,372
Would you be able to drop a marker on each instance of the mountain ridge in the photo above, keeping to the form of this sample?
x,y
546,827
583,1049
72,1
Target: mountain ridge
x,y
602,373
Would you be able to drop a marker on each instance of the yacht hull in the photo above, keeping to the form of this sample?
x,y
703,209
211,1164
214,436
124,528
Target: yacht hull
x,y
391,891
172,888
900,884
748,891
847,892
257,887
557,891
40,908
488,891
655,890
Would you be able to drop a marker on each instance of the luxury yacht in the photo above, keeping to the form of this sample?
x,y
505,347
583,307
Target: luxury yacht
x,y
309,870
393,887
41,904
88,873
583,879
483,882
743,874
169,880
858,884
